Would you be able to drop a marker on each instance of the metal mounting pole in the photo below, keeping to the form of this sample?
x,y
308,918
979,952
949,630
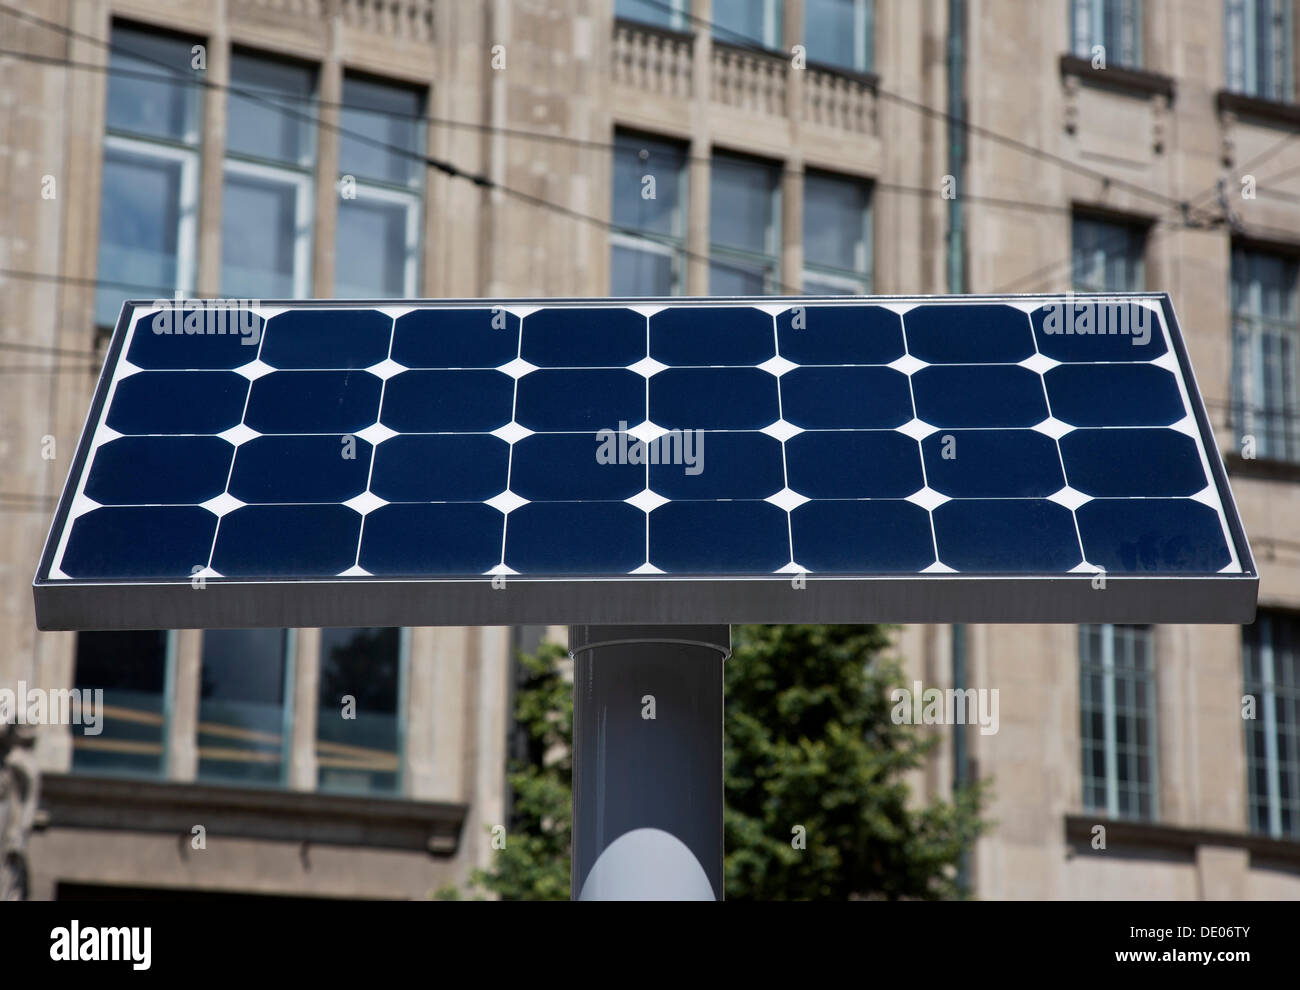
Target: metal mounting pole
x,y
647,762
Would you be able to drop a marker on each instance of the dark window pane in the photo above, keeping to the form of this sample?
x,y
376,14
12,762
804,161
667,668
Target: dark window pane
x,y
242,705
131,669
273,120
388,116
360,753
151,89
838,32
373,248
655,207
139,229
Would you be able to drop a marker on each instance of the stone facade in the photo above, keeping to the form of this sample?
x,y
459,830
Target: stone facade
x,y
572,71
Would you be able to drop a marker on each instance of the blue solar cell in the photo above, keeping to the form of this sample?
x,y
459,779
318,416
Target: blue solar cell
x,y
992,464
853,464
300,469
974,335
721,464
447,401
840,335
1167,535
313,402
188,342
1132,332
584,338
1006,536
713,399
719,537
979,396
699,335
575,538
1149,462
569,466
440,468
845,398
159,470
211,402
862,537
327,338
140,542
585,399
303,540
456,338
456,538
1114,395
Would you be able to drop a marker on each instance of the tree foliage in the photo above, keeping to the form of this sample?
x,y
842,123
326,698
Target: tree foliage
x,y
816,802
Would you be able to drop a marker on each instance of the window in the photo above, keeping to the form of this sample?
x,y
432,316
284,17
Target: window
x,y
1258,54
1118,717
379,214
358,743
1265,328
662,13
648,255
839,32
1108,255
134,670
1116,25
836,235
243,714
149,198
744,227
266,213
1270,655
748,22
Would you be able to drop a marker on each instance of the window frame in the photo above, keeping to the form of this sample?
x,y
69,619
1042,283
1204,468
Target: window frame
x,y
302,174
411,195
864,39
677,19
412,204
303,185
857,282
744,258
652,242
772,30
401,772
1242,55
1253,380
289,643
166,712
1265,690
1105,667
1097,16
187,223
1136,237
187,150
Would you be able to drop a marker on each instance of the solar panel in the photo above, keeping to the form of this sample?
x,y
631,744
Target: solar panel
x,y
647,461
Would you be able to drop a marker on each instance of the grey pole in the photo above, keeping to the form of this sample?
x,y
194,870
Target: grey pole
x,y
647,762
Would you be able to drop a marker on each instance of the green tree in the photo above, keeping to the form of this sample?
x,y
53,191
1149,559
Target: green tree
x,y
534,865
816,802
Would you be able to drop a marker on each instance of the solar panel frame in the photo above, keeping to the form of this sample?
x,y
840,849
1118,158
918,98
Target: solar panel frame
x,y
650,598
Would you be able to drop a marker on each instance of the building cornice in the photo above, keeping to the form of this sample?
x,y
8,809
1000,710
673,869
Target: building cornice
x,y
84,801
1175,838
1135,82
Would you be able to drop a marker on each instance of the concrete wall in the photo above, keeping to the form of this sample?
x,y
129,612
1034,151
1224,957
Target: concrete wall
x,y
570,71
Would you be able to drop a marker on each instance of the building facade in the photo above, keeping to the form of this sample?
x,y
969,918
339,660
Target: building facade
x,y
280,148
